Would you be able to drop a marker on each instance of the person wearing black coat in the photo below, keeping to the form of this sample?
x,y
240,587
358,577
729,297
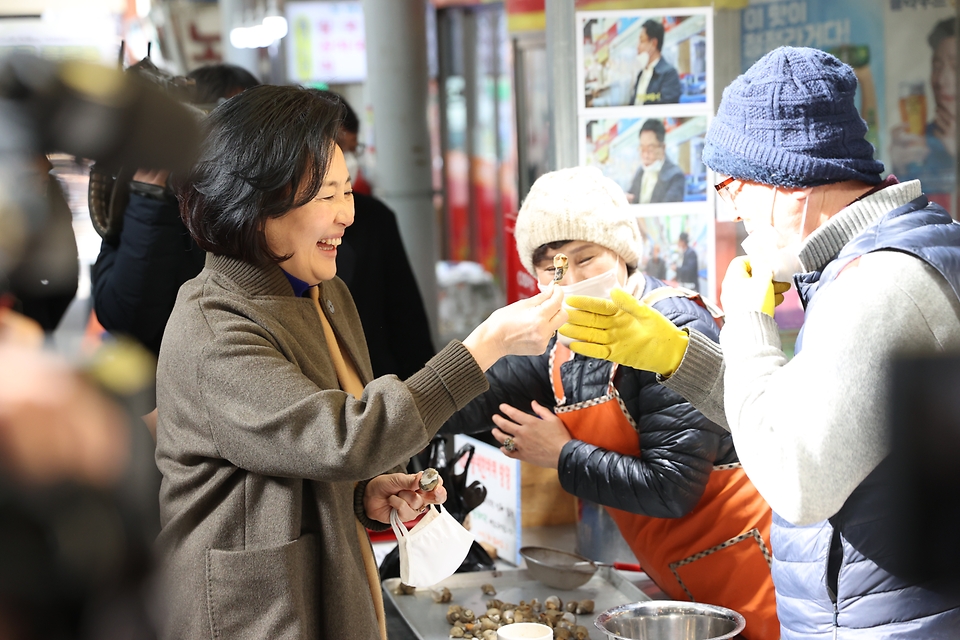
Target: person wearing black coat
x,y
137,277
669,477
372,262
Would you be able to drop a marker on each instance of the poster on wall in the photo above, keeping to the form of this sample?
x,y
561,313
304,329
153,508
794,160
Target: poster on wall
x,y
852,30
326,42
635,58
921,96
624,148
645,85
497,520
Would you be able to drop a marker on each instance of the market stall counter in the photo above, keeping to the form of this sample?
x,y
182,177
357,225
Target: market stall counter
x,y
607,586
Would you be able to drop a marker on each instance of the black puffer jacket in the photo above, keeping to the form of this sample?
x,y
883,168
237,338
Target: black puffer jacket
x,y
136,280
678,445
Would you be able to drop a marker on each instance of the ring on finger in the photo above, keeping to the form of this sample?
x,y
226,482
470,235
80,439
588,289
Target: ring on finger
x,y
509,444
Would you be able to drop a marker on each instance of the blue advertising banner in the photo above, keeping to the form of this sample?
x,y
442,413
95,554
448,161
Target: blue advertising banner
x,y
852,30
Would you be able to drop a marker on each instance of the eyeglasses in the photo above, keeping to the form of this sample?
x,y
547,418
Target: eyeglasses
x,y
723,190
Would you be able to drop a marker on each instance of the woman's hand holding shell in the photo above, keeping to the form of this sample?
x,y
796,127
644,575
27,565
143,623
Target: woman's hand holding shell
x,y
400,491
522,328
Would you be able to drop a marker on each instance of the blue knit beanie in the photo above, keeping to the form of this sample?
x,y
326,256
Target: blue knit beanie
x,y
790,121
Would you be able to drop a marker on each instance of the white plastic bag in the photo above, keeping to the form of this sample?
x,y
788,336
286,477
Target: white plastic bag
x,y
433,550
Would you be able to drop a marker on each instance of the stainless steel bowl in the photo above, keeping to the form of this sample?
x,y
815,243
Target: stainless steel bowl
x,y
558,569
670,620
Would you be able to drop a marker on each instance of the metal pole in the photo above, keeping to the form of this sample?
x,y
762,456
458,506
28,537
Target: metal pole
x,y
726,51
562,82
446,67
397,72
231,15
471,97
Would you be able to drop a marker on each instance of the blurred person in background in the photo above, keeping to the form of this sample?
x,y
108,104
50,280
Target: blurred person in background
x,y
668,476
218,82
276,443
44,283
349,141
877,268
137,275
139,271
374,265
77,499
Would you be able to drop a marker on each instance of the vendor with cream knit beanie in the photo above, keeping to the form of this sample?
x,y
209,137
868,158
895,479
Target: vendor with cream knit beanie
x,y
577,204
668,476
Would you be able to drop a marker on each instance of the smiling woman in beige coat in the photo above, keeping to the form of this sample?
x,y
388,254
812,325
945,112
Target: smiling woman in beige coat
x,y
275,443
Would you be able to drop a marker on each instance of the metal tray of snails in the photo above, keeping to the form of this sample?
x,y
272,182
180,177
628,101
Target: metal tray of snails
x,y
433,613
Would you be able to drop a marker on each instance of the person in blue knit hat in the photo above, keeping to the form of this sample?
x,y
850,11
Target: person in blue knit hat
x,y
877,267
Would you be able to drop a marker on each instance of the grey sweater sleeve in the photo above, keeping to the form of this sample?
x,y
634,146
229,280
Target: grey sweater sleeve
x,y
808,431
699,378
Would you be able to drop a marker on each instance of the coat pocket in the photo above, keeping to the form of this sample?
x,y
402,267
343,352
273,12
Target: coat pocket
x,y
264,593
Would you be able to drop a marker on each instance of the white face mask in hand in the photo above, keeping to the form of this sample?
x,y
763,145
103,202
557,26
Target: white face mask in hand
x,y
769,248
433,550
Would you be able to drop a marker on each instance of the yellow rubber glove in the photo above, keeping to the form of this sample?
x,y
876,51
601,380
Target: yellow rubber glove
x,y
779,288
745,289
624,331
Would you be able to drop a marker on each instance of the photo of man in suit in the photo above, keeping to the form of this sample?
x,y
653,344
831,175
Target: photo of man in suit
x,y
658,179
658,82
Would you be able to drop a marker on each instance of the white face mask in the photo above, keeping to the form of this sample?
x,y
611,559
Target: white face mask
x,y
769,248
643,59
598,286
353,164
433,550
656,165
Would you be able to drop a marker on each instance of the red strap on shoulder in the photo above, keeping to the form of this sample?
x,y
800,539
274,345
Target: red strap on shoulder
x,y
850,265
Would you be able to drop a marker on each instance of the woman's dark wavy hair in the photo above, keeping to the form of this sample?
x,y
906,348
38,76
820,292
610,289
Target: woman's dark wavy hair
x,y
265,152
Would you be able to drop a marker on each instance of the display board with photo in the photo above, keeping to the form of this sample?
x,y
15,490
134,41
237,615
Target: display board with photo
x,y
635,58
645,80
655,160
645,83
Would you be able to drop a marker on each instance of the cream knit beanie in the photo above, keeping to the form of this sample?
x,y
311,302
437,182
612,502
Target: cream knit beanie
x,y
577,204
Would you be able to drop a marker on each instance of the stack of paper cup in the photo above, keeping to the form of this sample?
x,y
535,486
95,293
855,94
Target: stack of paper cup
x,y
525,631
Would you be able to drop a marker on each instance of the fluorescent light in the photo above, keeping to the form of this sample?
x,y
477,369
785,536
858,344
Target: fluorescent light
x,y
276,26
239,38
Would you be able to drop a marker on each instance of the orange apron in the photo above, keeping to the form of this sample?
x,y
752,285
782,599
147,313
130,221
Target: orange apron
x,y
716,554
